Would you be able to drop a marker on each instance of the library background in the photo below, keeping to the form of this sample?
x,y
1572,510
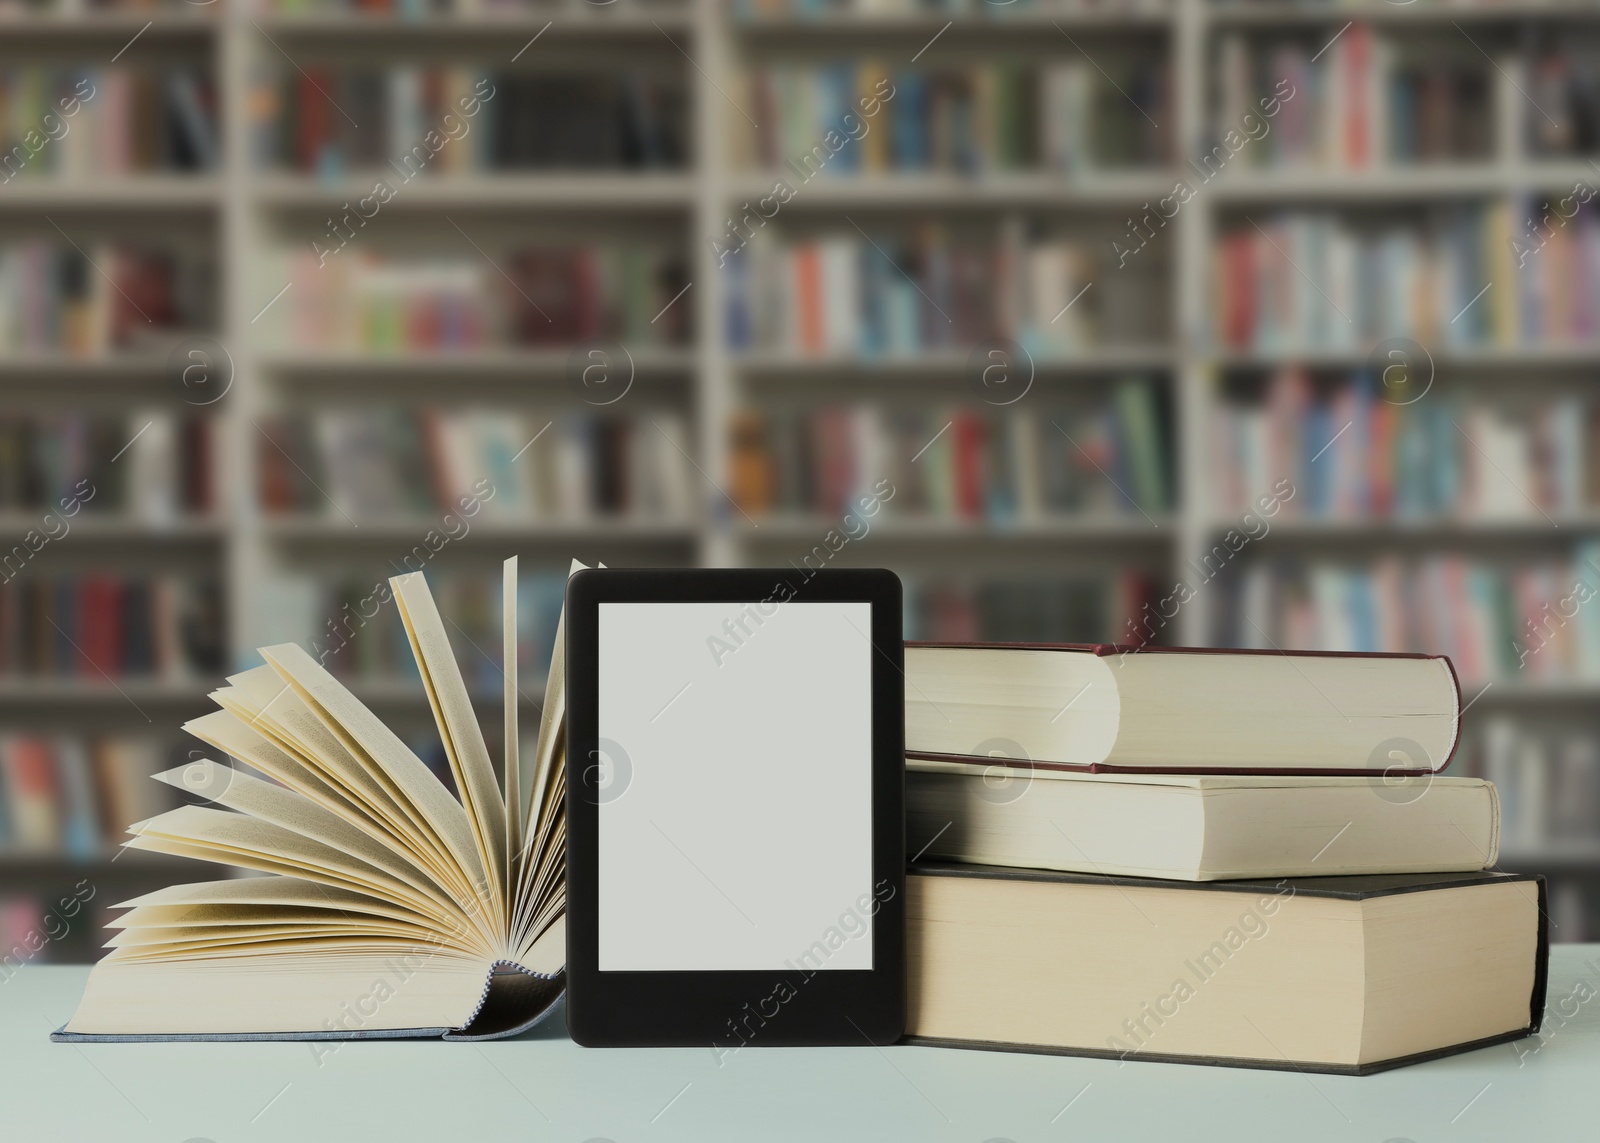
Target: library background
x,y
1258,323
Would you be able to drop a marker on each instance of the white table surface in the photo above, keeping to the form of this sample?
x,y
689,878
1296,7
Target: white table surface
x,y
545,1087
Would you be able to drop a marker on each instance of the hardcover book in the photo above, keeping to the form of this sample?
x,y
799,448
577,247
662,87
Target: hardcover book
x,y
1328,974
388,907
1195,710
1200,827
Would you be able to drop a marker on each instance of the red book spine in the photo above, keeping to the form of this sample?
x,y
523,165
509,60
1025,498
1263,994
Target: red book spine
x,y
1381,457
33,786
312,136
198,492
1358,109
832,428
1238,290
270,463
586,292
968,435
438,461
423,322
808,296
100,627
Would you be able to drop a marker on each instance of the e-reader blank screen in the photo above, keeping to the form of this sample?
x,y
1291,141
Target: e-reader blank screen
x,y
735,815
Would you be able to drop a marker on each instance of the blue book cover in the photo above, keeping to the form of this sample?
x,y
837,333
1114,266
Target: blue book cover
x,y
1444,457
908,122
1318,431
836,88
902,316
1402,119
1360,434
1363,609
1000,499
80,832
877,275
1412,496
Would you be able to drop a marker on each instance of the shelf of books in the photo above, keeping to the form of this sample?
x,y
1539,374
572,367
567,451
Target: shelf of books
x,y
1400,303
924,359
1247,323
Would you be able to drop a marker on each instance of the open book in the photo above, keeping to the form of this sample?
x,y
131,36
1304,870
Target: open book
x,y
391,908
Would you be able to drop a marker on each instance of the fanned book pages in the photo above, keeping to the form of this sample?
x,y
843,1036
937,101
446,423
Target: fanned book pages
x,y
390,908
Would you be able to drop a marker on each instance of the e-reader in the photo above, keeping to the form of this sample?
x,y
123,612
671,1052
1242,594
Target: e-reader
x,y
735,808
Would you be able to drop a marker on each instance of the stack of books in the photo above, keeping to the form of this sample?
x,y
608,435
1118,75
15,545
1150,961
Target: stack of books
x,y
1226,857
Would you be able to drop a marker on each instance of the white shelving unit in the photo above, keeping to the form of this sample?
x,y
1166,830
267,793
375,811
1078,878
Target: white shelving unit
x,y
251,211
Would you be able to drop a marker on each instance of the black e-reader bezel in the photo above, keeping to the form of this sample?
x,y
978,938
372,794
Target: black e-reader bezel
x,y
727,1010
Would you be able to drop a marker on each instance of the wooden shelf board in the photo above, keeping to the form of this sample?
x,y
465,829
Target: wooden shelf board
x,y
946,189
1579,854
619,190
1381,184
989,20
566,22
413,529
788,529
24,367
1557,354
118,528
1519,692
761,363
546,363
164,23
1256,13
113,193
84,690
1418,531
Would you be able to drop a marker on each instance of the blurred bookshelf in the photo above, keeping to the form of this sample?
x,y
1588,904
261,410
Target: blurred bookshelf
x,y
582,288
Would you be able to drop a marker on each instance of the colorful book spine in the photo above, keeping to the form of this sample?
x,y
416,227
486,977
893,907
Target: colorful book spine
x,y
477,464
858,118
449,120
365,300
1360,100
79,123
75,796
59,299
926,290
1067,609
1471,277
1351,454
1499,622
345,623
957,464
94,627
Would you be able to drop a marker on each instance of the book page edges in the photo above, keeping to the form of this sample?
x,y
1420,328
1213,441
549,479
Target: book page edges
x,y
1194,779
503,998
458,727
